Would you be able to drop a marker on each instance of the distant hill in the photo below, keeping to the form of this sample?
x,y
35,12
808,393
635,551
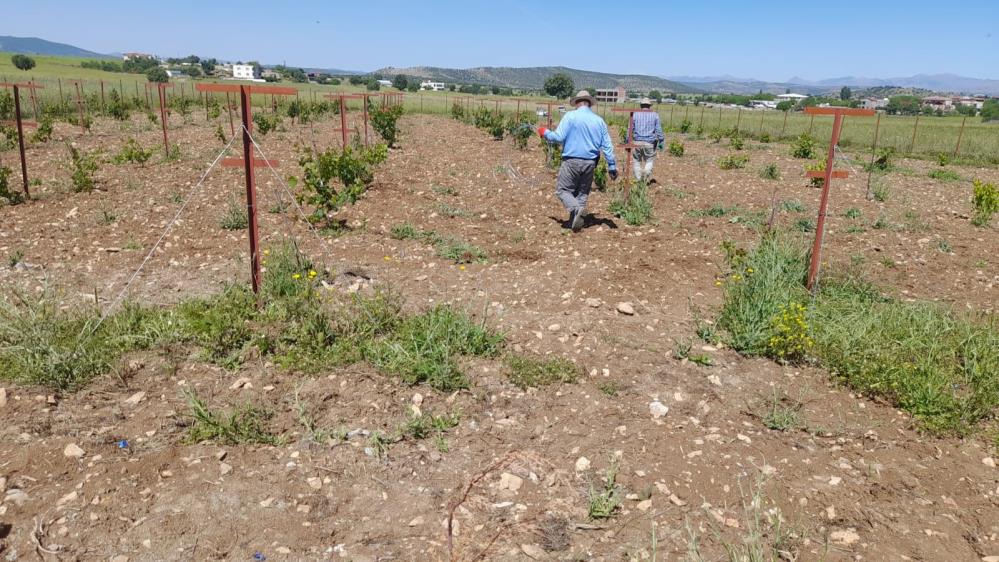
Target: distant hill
x,y
36,46
943,83
533,78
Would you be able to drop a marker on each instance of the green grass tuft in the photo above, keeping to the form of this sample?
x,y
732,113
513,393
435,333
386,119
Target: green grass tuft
x,y
535,372
244,424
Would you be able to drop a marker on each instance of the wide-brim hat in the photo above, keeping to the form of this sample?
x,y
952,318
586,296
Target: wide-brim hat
x,y
583,95
645,101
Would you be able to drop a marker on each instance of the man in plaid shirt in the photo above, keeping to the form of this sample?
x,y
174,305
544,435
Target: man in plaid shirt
x,y
647,133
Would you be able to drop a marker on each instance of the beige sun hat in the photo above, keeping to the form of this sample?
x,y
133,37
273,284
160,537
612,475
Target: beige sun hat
x,y
645,101
582,95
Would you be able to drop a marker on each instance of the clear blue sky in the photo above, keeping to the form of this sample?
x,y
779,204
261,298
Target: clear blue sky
x,y
766,40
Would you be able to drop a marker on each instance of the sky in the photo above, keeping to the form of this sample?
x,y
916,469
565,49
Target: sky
x,y
765,40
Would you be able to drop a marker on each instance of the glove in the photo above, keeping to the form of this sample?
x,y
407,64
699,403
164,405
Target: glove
x,y
613,173
660,145
542,131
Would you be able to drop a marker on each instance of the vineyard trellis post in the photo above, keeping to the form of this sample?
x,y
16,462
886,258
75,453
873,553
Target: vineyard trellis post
x,y
21,124
701,124
783,129
828,174
248,162
629,143
79,102
960,134
161,93
915,127
874,152
738,121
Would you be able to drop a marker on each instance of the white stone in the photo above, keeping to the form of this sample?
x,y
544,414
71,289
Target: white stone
x,y
534,552
68,498
315,482
417,521
626,308
73,450
658,409
241,382
644,505
510,482
225,468
593,303
135,398
582,464
989,462
845,537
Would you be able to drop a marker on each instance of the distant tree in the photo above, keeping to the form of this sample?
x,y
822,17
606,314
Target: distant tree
x,y
451,87
990,111
785,105
559,85
193,71
139,65
655,95
333,81
495,90
967,110
400,82
23,62
904,105
357,80
373,85
208,65
413,86
845,93
157,74
787,90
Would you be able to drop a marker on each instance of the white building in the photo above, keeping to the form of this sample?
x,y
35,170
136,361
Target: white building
x,y
245,72
385,83
433,86
791,97
874,103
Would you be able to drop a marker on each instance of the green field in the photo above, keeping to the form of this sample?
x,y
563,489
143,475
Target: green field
x,y
979,142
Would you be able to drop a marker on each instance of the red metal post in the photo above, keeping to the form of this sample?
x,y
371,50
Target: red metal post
x,y
251,192
163,117
79,103
828,175
228,106
343,119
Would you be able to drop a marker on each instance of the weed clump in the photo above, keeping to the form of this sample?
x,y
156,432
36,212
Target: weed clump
x,y
534,372
985,199
733,161
633,205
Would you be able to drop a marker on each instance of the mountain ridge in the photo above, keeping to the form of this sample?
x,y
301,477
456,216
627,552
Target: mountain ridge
x,y
533,77
39,46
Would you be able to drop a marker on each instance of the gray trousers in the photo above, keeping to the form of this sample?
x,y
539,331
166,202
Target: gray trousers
x,y
575,179
644,157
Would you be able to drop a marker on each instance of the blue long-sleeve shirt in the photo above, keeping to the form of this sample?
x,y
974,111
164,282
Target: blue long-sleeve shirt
x,y
647,127
583,134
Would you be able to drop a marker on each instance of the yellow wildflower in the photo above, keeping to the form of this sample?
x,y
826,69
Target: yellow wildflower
x,y
296,276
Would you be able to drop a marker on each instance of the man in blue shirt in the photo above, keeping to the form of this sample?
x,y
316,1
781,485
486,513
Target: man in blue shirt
x,y
647,133
583,136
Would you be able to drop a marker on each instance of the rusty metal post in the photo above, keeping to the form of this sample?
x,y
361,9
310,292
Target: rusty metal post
x,y
719,117
874,152
20,140
671,108
700,125
738,121
820,225
102,96
810,124
960,134
228,107
251,192
79,103
783,129
343,120
163,117
61,100
759,133
912,144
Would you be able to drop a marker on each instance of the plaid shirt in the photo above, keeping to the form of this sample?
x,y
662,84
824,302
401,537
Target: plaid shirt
x,y
647,127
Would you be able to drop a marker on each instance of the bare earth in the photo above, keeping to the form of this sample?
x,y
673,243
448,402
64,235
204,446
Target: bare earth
x,y
856,481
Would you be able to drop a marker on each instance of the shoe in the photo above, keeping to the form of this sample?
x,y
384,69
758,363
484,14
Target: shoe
x,y
577,220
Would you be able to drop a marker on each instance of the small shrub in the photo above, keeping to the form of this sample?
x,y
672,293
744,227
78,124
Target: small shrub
x,y
852,213
944,174
985,200
881,191
943,159
134,153
817,166
765,137
716,136
405,231
44,131
350,167
676,148
805,225
521,130
790,340
733,161
241,425
737,143
770,172
600,175
235,216
220,134
882,160
605,500
264,123
780,417
534,372
636,210
457,250
84,165
384,120
8,197
803,147
685,126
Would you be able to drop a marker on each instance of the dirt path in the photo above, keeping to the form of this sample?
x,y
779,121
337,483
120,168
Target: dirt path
x,y
852,480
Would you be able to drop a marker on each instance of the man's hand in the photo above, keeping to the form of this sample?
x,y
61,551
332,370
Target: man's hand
x,y
542,131
613,173
660,145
